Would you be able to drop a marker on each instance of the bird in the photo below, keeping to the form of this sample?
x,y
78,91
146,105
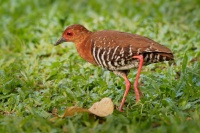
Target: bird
x,y
116,51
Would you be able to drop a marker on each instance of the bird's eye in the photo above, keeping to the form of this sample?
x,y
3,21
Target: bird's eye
x,y
69,33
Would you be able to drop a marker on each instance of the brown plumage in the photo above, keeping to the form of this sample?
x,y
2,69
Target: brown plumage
x,y
116,51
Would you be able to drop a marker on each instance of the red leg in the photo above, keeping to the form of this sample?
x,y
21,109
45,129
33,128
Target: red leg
x,y
128,85
136,89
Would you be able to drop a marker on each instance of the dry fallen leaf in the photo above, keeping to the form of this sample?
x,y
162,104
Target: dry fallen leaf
x,y
72,110
102,109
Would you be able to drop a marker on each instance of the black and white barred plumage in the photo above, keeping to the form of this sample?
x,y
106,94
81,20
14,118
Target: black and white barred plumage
x,y
115,56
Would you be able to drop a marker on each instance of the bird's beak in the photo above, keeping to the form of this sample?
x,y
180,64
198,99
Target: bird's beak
x,y
61,40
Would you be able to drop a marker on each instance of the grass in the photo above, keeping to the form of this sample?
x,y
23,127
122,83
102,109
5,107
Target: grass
x,y
37,78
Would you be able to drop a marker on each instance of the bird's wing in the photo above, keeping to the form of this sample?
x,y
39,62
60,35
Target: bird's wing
x,y
126,41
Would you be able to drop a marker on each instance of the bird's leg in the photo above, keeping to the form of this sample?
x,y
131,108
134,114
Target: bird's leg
x,y
128,85
136,89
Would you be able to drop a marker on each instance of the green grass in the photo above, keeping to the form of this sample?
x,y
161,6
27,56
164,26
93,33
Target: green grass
x,y
37,78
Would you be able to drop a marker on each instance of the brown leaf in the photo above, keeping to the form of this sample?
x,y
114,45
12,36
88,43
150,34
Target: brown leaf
x,y
102,108
70,111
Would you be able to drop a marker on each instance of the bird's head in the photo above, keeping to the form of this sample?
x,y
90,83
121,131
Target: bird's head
x,y
75,33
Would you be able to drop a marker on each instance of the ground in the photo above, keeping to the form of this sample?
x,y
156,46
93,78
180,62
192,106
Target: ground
x,y
38,79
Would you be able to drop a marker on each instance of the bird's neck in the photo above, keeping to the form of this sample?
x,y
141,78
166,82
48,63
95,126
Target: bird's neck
x,y
84,48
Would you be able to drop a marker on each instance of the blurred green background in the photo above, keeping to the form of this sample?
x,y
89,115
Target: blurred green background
x,y
37,78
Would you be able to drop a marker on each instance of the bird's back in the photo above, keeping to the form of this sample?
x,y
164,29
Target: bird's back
x,y
114,50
